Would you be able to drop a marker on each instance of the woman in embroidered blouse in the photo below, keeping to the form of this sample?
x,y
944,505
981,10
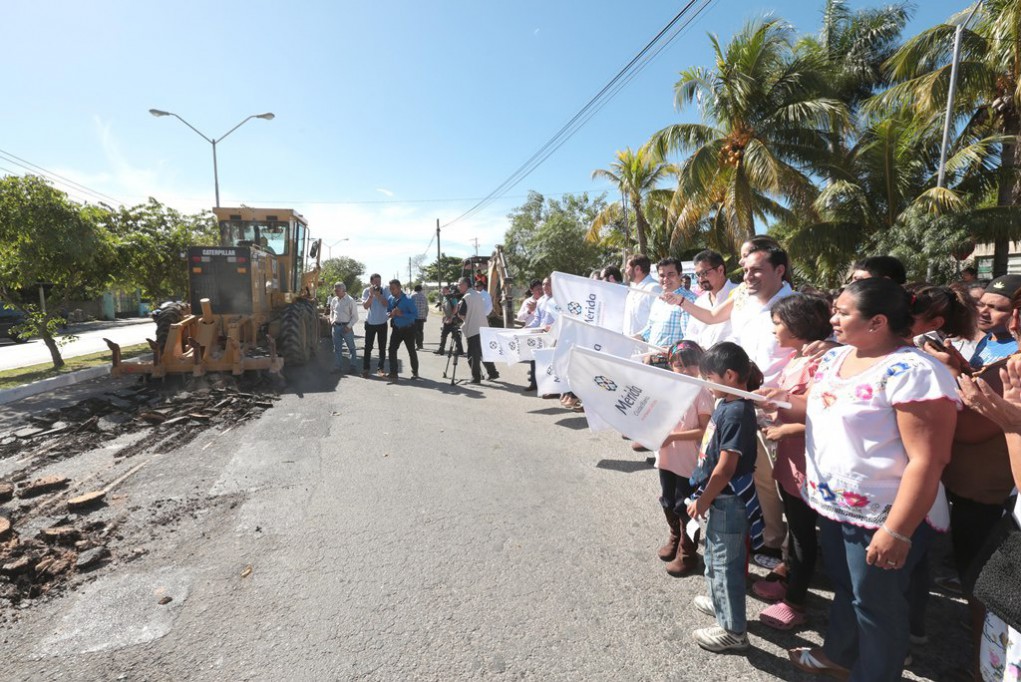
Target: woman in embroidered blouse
x,y
880,417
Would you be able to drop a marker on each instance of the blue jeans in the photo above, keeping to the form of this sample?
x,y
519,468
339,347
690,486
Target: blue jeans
x,y
868,627
339,339
725,559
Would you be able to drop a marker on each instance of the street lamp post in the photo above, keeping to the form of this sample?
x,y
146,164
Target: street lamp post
x,y
213,141
329,247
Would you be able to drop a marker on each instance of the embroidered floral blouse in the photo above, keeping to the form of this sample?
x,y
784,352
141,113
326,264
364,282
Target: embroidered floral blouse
x,y
854,454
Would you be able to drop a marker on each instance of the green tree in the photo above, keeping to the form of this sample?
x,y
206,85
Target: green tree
x,y
447,270
635,175
152,242
988,99
341,269
46,237
766,119
549,234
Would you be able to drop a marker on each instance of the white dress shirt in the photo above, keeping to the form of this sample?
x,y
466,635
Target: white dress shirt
x,y
343,310
753,330
708,335
637,306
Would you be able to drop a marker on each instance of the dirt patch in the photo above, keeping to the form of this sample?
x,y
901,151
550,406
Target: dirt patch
x,y
40,552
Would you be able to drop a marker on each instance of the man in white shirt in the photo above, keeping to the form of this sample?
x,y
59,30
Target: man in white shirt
x,y
343,315
487,300
472,312
711,275
637,306
529,307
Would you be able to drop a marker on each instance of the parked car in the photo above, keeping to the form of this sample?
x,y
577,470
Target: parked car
x,y
9,318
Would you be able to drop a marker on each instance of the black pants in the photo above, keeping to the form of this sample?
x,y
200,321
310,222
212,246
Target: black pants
x,y
676,489
971,524
802,546
374,332
475,359
419,333
405,335
448,328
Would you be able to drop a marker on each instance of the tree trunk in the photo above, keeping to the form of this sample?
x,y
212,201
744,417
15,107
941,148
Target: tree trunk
x,y
51,344
1009,192
641,227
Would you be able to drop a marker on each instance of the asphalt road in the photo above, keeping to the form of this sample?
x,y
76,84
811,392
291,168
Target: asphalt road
x,y
90,340
414,531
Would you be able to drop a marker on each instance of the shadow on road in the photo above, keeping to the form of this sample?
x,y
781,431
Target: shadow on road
x,y
625,466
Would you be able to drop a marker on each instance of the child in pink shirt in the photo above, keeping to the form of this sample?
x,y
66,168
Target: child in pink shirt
x,y
797,322
676,460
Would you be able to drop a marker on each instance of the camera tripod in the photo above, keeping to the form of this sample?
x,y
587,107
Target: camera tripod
x,y
456,351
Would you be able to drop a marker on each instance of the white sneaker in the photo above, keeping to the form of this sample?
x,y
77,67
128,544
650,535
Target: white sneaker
x,y
704,604
717,639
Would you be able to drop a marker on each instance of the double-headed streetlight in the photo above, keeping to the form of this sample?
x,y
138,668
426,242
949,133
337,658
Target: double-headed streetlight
x,y
216,177
329,247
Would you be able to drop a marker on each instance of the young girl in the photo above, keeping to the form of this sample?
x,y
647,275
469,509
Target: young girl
x,y
725,494
676,460
797,322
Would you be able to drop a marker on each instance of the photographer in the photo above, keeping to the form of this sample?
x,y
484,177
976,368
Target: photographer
x,y
374,301
448,303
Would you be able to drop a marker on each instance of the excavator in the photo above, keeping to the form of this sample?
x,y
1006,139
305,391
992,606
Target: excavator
x,y
252,301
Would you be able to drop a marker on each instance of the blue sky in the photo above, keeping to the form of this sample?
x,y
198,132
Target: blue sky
x,y
389,115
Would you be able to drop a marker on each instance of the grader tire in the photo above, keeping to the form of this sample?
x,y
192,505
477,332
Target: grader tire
x,y
168,316
299,333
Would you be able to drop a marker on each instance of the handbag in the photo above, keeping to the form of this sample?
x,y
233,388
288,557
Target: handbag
x,y
997,583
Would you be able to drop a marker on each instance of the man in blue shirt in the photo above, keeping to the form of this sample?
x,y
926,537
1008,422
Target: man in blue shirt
x,y
994,312
402,312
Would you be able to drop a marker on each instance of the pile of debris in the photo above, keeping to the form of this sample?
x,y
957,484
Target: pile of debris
x,y
174,416
46,534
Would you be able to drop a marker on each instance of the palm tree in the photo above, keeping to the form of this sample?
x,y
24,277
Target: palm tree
x,y
988,99
635,174
766,120
854,45
886,183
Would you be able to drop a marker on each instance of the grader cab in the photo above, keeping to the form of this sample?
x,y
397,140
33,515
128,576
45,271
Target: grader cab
x,y
252,300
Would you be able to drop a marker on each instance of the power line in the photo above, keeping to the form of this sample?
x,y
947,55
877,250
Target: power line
x,y
584,114
36,169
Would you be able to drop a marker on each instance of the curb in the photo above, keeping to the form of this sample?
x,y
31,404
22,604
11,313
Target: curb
x,y
69,379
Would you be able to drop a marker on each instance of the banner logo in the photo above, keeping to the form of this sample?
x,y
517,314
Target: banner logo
x,y
608,384
494,345
574,308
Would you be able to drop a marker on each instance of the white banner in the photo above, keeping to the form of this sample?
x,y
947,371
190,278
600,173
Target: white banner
x,y
644,403
499,345
546,379
529,342
590,300
575,333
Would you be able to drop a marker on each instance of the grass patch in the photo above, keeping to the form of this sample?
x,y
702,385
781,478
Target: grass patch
x,y
12,378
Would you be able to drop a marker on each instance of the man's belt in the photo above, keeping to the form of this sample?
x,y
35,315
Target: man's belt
x,y
341,324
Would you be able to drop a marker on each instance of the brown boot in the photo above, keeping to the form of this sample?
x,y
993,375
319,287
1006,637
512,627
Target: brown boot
x,y
686,560
668,551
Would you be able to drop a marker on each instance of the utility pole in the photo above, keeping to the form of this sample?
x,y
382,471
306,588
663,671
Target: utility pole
x,y
476,243
439,266
409,271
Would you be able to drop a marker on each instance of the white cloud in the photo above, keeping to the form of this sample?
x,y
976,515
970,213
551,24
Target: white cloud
x,y
384,191
535,32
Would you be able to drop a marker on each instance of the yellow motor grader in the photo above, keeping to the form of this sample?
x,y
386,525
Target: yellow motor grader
x,y
252,300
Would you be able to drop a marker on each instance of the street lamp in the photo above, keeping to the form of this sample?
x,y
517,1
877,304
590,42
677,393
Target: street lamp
x,y
216,178
329,247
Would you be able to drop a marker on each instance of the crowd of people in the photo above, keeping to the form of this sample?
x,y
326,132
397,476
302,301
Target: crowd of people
x,y
888,412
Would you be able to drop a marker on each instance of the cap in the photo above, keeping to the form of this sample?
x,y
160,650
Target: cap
x,y
1006,285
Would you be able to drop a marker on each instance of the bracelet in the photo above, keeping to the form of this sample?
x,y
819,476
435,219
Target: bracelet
x,y
897,536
